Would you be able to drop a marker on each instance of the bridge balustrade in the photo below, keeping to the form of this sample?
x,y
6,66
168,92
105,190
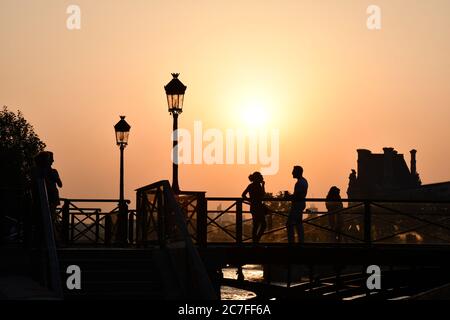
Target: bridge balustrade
x,y
228,220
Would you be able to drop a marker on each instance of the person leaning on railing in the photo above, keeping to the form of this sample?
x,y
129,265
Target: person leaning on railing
x,y
52,182
256,190
334,204
43,170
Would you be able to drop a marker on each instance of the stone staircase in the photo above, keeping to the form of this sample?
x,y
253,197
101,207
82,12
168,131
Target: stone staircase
x,y
112,273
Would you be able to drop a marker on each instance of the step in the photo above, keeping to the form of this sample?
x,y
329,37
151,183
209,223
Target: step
x,y
123,252
102,286
116,288
101,275
112,273
123,295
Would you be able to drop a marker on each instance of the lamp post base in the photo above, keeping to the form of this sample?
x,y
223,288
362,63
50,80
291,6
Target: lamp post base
x,y
176,188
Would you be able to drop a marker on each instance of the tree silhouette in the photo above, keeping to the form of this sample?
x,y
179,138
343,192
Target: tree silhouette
x,y
19,144
275,218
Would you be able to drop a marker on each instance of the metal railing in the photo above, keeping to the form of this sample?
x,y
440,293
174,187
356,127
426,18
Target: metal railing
x,y
78,224
167,220
358,221
53,280
229,220
155,227
29,229
14,212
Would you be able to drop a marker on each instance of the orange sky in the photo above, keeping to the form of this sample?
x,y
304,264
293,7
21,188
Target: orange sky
x,y
328,83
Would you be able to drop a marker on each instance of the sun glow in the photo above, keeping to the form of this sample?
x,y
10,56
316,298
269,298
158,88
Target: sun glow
x,y
255,114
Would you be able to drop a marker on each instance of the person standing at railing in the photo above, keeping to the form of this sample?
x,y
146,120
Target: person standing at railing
x,y
44,170
256,189
334,205
295,218
52,182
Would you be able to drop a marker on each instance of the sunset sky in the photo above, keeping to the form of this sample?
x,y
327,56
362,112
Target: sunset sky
x,y
327,82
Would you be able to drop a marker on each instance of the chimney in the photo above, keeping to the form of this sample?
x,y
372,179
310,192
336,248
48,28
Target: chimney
x,y
363,165
388,163
413,162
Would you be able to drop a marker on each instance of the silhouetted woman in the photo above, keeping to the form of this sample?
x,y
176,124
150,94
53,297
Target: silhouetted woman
x,y
257,208
333,204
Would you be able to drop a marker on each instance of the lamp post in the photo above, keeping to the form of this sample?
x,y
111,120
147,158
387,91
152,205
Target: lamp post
x,y
122,130
175,90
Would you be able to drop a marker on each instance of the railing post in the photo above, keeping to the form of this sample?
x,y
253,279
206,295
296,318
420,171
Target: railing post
x,y
202,221
72,229
65,222
125,221
141,218
97,226
131,227
367,223
108,229
239,221
122,222
161,219
52,274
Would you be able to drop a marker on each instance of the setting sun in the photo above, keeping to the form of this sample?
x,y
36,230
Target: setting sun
x,y
255,114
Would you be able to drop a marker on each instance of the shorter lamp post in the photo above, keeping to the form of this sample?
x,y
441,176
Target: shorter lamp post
x,y
175,90
122,130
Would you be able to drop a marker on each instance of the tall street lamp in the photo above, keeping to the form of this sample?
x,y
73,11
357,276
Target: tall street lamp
x,y
175,90
122,130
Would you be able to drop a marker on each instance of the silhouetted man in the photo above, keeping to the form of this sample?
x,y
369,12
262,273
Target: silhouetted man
x,y
295,218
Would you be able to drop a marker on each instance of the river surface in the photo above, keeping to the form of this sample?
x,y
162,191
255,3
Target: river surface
x,y
251,272
255,273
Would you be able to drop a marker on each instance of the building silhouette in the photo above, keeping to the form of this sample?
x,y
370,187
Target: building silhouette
x,y
387,176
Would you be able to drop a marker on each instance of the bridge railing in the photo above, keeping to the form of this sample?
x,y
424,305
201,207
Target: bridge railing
x,y
169,220
50,272
86,222
155,226
410,222
229,220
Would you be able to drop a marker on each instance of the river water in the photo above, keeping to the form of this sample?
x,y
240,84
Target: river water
x,y
251,272
255,273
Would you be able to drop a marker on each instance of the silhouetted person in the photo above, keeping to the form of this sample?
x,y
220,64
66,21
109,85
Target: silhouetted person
x,y
258,210
295,218
52,182
43,170
333,204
